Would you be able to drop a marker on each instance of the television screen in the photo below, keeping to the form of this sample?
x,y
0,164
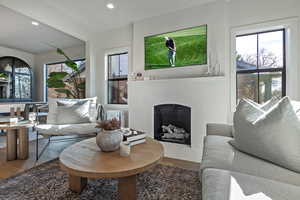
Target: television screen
x,y
184,47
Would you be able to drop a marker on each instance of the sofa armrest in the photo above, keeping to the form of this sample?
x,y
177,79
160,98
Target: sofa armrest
x,y
219,129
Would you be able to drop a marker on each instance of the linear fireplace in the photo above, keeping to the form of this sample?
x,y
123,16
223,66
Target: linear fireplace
x,y
172,123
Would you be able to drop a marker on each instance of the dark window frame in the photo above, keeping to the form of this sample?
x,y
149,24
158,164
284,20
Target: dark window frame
x,y
263,70
117,78
13,75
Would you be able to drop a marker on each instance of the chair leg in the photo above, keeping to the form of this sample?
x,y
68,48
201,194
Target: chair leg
x,y
38,155
37,146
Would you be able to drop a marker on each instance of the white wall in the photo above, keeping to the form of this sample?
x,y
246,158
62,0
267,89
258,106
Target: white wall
x,y
52,57
206,106
27,57
98,47
244,12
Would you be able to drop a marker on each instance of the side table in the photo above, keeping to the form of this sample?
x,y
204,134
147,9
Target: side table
x,y
17,140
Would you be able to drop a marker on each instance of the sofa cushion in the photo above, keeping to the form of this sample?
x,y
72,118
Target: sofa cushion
x,y
67,129
218,153
273,136
227,185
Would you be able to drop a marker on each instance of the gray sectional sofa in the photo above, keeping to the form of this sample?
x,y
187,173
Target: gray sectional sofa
x,y
229,174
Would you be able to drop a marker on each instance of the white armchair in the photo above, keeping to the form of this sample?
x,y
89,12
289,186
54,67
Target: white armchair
x,y
56,128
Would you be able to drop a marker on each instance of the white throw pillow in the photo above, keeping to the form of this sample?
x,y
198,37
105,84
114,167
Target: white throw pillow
x,y
273,135
265,106
52,102
269,104
77,113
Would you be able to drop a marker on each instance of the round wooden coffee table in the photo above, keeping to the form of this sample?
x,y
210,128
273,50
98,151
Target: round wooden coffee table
x,y
85,160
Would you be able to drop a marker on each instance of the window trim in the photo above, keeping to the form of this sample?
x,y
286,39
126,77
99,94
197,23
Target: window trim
x,y
121,52
263,70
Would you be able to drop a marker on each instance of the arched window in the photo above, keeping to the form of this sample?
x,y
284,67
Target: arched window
x,y
15,79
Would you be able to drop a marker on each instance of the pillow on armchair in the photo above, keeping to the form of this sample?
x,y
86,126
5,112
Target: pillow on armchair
x,y
52,115
77,113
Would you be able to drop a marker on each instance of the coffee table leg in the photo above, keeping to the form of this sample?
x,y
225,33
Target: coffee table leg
x,y
11,145
23,143
76,183
127,188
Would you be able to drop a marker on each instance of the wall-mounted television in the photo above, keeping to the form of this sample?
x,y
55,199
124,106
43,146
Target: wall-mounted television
x,y
185,47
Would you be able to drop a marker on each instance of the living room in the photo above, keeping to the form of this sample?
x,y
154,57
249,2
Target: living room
x,y
205,86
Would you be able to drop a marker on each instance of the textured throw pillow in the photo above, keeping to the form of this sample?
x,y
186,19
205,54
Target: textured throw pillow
x,y
269,104
265,106
76,113
273,135
52,102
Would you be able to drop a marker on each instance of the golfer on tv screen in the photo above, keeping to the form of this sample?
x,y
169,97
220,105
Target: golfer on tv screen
x,y
170,44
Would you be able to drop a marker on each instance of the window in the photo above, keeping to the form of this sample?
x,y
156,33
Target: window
x,y
117,78
15,80
260,69
61,67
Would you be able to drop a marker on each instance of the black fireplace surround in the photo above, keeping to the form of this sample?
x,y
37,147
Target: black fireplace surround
x,y
172,123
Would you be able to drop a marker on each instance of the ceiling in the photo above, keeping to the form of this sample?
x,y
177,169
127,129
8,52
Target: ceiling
x,y
83,18
97,17
17,32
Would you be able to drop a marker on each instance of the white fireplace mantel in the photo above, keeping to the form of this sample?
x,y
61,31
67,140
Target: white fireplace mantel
x,y
207,97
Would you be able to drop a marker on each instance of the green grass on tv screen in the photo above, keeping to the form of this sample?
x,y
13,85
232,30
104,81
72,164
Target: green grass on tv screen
x,y
191,48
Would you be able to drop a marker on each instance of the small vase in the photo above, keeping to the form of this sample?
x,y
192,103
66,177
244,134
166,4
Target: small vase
x,y
109,140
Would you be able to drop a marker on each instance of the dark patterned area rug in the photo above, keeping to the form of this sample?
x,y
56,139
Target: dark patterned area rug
x,y
48,181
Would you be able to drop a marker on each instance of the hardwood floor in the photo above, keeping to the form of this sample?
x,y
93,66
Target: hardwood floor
x,y
11,168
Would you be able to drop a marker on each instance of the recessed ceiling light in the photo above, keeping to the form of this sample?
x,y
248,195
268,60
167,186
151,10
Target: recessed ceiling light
x,y
35,23
110,6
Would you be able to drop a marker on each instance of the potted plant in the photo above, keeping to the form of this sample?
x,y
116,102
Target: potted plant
x,y
110,136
